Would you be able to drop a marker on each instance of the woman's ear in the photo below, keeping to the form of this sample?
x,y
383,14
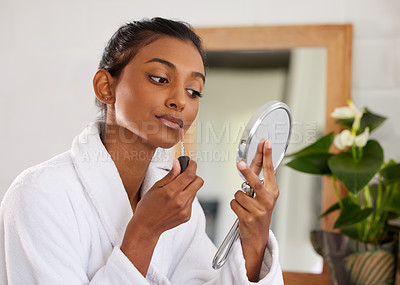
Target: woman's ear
x,y
102,86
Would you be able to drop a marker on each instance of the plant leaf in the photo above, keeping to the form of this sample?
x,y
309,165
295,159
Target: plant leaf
x,y
389,163
345,201
368,119
351,232
391,212
352,214
320,146
315,163
347,123
371,120
356,174
394,203
392,228
391,173
391,205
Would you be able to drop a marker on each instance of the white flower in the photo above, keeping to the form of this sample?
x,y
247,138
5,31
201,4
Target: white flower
x,y
344,139
347,112
361,139
344,113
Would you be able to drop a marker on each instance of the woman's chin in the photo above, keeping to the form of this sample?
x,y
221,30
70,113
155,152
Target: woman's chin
x,y
167,144
163,142
166,139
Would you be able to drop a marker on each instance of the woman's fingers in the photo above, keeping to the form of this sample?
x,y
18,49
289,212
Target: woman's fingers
x,y
237,208
250,176
257,162
267,191
172,174
193,187
244,200
184,179
268,169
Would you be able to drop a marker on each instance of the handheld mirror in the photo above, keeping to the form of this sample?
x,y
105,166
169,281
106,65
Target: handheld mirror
x,y
272,121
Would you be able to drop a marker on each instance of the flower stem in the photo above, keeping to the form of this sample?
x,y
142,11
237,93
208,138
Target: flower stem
x,y
379,198
376,224
337,192
354,153
368,222
367,196
360,153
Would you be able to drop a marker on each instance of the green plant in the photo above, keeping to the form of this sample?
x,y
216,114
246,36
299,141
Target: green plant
x,y
373,198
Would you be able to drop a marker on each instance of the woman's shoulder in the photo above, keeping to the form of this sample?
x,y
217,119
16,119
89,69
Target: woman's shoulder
x,y
51,178
44,202
59,165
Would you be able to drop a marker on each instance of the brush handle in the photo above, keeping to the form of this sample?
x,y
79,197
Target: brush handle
x,y
183,161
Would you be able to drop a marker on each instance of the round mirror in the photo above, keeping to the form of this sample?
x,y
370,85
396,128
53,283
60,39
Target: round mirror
x,y
272,121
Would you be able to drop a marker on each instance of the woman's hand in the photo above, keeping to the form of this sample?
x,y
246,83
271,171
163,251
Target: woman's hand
x,y
166,205
255,213
169,202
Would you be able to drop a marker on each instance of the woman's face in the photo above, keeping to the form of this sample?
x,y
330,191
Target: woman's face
x,y
159,87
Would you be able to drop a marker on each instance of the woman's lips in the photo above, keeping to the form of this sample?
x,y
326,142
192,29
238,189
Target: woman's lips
x,y
171,121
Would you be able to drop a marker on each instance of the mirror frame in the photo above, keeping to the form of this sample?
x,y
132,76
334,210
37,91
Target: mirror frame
x,y
337,40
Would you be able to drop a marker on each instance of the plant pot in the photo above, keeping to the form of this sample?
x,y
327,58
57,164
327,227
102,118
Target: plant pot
x,y
352,262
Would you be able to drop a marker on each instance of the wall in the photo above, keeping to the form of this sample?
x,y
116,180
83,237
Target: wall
x,y
50,50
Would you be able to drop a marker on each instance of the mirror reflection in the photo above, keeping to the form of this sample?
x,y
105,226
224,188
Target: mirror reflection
x,y
273,122
238,83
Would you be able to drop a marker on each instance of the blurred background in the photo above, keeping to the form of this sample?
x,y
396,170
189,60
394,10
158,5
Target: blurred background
x,y
50,51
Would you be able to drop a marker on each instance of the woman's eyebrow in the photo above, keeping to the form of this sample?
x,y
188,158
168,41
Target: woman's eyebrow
x,y
173,67
163,61
199,74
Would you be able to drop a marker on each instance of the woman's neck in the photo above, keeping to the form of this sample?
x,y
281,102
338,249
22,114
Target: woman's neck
x,y
131,156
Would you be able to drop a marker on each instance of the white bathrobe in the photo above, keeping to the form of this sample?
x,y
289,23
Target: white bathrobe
x,y
63,221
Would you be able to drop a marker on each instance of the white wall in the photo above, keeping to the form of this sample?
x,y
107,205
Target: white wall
x,y
50,50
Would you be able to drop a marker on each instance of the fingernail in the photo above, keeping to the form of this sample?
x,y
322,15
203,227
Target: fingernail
x,y
242,165
268,144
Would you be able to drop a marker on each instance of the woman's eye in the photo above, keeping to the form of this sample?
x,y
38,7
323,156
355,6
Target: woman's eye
x,y
158,79
194,93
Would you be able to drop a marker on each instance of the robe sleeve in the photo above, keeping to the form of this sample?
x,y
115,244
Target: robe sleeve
x,y
40,243
195,266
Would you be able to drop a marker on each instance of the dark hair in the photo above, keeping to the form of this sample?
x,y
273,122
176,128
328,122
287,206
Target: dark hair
x,y
131,37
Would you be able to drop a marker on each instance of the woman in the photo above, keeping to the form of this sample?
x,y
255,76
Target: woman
x,y
105,212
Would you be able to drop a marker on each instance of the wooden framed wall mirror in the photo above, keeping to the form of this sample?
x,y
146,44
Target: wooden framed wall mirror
x,y
271,49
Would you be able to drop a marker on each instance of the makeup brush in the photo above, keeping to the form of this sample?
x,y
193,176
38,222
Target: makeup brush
x,y
183,159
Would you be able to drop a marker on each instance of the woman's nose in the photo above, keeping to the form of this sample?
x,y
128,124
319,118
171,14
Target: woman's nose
x,y
177,100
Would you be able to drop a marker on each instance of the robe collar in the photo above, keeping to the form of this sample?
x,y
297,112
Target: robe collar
x,y
102,183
